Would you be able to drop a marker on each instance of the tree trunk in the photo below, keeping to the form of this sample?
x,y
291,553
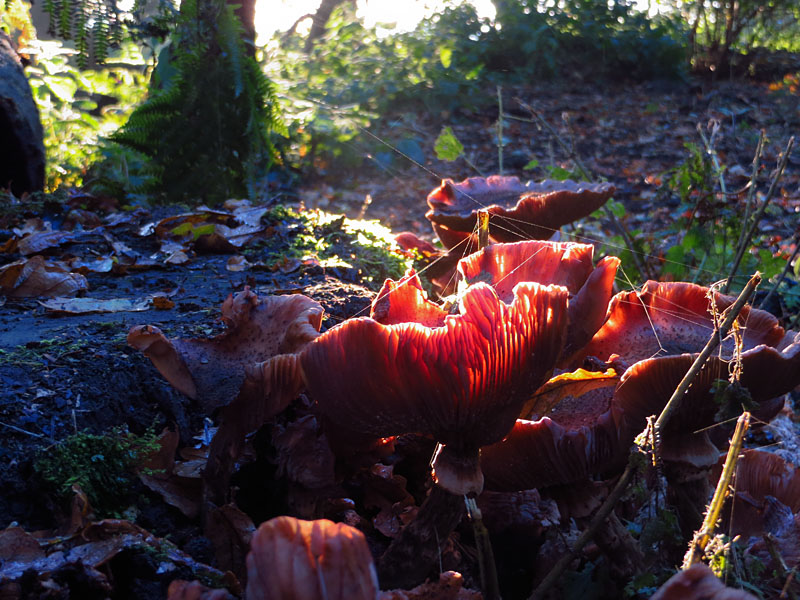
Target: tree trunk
x,y
319,20
22,157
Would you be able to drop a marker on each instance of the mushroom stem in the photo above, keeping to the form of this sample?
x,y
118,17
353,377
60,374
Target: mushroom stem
x,y
458,470
409,557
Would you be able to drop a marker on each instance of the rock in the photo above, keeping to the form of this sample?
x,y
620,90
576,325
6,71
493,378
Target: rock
x,y
21,138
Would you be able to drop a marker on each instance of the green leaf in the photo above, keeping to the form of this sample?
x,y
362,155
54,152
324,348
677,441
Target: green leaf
x,y
445,56
447,146
63,88
531,165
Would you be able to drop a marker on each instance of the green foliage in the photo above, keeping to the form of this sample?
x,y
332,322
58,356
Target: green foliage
x,y
593,39
355,75
709,226
102,465
447,146
206,126
73,121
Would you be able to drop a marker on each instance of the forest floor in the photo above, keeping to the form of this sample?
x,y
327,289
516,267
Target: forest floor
x,y
67,369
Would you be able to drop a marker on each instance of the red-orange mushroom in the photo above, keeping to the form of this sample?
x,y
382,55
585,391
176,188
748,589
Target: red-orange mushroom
x,y
517,211
463,382
698,582
291,559
560,263
673,318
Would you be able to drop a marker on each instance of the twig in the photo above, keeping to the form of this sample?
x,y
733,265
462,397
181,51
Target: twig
x,y
784,272
780,565
759,213
19,430
500,128
706,532
598,519
488,569
752,191
483,229
709,144
572,155
716,337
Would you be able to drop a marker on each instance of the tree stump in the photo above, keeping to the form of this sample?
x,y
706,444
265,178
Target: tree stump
x,y
21,138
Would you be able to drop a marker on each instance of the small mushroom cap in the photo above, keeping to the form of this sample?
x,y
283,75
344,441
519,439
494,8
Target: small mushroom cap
x,y
673,318
405,301
760,475
464,382
212,370
517,211
698,582
291,559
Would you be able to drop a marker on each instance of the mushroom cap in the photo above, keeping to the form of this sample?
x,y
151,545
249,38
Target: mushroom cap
x,y
759,476
698,582
517,210
290,559
579,440
561,263
673,318
463,382
646,386
212,371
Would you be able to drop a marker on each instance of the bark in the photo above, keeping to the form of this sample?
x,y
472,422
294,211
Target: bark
x,y
22,157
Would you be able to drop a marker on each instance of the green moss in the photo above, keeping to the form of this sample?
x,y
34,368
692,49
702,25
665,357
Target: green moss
x,y
361,251
102,465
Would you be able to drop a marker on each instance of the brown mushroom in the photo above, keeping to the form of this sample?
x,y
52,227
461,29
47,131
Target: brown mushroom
x,y
698,582
463,382
517,210
291,559
249,373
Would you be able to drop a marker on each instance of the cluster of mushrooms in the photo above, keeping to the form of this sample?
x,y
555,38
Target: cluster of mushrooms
x,y
533,383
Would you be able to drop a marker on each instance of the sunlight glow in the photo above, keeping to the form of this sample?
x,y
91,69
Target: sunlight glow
x,y
280,15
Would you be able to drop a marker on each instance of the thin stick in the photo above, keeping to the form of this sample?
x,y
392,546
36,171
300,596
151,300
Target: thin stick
x,y
784,272
759,213
716,337
600,516
488,570
780,565
752,191
19,430
706,532
572,155
483,229
500,128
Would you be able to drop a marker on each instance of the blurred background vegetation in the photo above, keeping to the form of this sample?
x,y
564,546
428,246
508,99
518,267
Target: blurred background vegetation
x,y
177,103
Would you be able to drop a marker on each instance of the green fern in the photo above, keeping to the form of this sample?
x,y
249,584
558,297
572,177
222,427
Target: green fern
x,y
206,126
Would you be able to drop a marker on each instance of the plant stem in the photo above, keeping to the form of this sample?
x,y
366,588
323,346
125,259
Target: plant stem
x,y
488,569
598,519
752,191
716,337
745,242
483,229
500,129
784,272
702,537
572,155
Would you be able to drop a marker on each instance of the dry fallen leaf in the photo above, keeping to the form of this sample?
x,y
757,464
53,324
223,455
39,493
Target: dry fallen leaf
x,y
36,276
